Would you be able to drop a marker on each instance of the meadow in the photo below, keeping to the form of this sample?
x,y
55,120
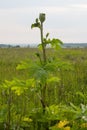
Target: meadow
x,y
21,107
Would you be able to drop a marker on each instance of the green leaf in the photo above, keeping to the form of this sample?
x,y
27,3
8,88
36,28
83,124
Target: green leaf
x,y
80,94
55,43
53,79
30,83
24,65
26,119
40,46
35,25
36,20
47,35
19,87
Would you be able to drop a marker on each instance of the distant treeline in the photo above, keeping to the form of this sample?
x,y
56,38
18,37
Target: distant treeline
x,y
65,45
74,45
8,46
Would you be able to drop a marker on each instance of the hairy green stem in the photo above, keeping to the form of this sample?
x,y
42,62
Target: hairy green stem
x,y
43,102
43,44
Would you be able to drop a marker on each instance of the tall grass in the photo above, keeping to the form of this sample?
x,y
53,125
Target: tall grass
x,y
10,58
71,81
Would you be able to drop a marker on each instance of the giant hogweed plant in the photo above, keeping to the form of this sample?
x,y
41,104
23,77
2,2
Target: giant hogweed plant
x,y
42,71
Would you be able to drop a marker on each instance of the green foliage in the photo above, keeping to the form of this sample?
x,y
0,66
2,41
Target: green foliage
x,y
37,24
53,43
74,80
39,21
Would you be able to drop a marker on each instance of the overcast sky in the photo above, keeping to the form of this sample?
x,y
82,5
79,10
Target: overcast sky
x,y
65,19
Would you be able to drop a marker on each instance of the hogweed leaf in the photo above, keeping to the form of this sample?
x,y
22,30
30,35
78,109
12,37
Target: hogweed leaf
x,y
55,43
37,20
80,94
53,79
40,46
47,35
35,25
26,119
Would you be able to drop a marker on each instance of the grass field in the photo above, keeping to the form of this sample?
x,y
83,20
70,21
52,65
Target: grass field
x,y
10,58
71,81
71,88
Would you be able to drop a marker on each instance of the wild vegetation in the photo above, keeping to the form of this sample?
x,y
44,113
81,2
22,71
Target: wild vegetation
x,y
43,88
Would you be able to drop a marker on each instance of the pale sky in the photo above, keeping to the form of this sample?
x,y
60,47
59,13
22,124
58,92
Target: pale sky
x,y
65,19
